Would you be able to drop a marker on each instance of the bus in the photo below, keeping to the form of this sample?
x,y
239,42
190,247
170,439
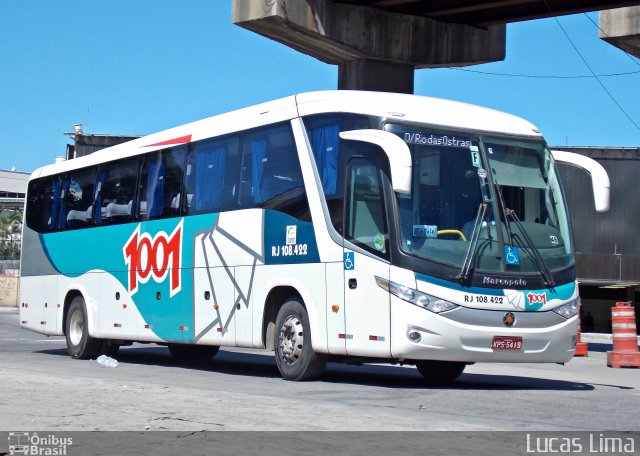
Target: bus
x,y
327,226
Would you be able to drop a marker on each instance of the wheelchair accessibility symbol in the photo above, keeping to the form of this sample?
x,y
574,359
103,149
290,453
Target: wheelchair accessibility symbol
x,y
512,255
349,261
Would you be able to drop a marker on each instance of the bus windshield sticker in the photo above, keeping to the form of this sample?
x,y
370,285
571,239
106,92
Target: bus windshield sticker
x,y
428,231
291,234
349,261
378,242
512,255
475,156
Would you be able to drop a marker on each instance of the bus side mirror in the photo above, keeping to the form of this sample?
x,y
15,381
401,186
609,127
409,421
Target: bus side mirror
x,y
599,177
397,151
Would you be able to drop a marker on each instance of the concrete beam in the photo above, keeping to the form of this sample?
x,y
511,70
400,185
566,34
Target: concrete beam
x,y
621,27
360,38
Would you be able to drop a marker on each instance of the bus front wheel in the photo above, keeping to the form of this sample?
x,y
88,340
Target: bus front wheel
x,y
295,357
440,372
79,343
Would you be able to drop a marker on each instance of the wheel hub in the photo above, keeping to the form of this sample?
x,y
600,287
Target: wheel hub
x,y
76,327
291,340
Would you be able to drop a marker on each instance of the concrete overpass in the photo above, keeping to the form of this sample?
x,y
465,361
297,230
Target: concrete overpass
x,y
378,44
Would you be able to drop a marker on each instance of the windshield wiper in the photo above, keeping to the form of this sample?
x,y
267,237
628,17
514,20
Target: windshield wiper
x,y
538,260
503,208
475,235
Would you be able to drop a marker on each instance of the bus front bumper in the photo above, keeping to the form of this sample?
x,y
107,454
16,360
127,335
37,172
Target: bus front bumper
x,y
474,335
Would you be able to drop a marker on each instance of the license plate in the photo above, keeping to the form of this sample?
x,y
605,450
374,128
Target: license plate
x,y
506,343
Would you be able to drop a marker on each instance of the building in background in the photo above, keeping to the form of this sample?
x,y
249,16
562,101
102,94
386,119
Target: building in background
x,y
85,144
13,187
607,244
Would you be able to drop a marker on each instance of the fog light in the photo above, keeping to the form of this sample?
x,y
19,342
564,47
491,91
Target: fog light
x,y
414,336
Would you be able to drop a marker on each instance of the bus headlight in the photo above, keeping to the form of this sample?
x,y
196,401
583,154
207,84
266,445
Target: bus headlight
x,y
416,297
569,309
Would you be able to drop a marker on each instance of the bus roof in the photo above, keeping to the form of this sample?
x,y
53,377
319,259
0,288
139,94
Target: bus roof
x,y
430,111
419,109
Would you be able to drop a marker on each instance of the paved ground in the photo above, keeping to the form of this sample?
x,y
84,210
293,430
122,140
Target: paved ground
x,y
42,388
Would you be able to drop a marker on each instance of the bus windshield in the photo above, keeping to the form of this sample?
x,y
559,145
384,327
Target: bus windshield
x,y
523,225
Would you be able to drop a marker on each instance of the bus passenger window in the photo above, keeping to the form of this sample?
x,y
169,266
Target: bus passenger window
x,y
331,156
115,192
161,183
271,177
76,202
211,174
42,204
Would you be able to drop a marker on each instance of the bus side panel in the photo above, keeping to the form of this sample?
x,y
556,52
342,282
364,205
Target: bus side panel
x,y
51,310
307,280
226,256
111,310
334,280
36,270
88,285
119,317
213,305
32,303
245,276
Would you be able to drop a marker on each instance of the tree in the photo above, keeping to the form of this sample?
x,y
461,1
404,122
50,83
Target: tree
x,y
10,233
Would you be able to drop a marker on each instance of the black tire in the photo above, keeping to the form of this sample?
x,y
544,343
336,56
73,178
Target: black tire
x,y
109,349
80,344
295,357
440,372
192,354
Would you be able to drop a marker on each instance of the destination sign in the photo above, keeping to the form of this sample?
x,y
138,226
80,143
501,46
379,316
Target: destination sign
x,y
437,140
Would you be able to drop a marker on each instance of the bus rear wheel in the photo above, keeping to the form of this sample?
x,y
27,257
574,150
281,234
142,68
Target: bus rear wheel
x,y
80,344
192,354
440,372
295,357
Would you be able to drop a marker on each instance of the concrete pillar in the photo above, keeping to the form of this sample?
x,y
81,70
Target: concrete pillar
x,y
375,75
374,49
621,27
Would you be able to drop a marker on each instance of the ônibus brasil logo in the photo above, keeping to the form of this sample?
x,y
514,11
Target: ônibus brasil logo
x,y
156,257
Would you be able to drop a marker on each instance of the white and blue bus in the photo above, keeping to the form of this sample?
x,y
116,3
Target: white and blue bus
x,y
324,226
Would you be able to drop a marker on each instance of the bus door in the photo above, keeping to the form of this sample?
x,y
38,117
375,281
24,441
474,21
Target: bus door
x,y
367,306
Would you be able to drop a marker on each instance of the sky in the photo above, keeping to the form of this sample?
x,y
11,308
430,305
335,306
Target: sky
x,y
127,67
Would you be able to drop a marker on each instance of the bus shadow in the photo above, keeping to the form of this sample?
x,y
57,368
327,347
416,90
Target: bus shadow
x,y
382,376
394,377
225,362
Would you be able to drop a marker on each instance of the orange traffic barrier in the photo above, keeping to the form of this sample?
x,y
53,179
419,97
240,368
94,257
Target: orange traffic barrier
x,y
625,337
582,348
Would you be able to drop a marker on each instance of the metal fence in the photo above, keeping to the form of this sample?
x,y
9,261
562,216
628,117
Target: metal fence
x,y
10,267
